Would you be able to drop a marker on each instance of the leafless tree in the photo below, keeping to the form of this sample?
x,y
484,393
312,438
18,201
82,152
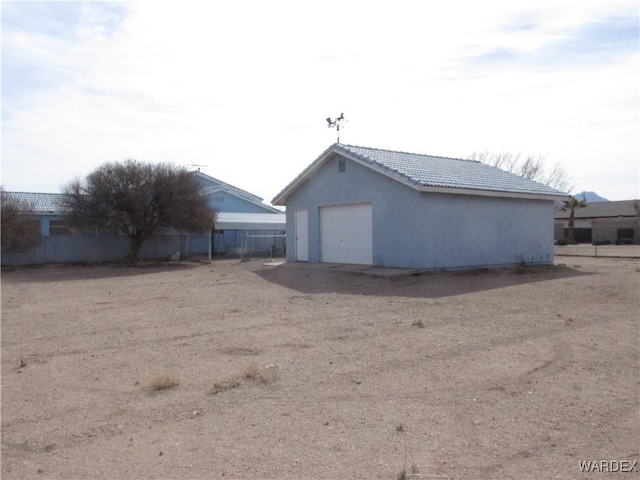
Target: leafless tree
x,y
20,228
533,168
138,199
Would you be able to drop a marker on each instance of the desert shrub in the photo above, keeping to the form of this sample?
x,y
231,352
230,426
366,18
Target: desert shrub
x,y
20,227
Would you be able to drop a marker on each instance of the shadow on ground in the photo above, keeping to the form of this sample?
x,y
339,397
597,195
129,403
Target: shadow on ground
x,y
63,272
303,279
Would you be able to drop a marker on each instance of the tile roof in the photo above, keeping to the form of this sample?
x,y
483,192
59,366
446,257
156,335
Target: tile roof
x,y
40,203
427,172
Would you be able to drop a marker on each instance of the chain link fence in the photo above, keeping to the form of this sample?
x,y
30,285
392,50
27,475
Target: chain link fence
x,y
605,238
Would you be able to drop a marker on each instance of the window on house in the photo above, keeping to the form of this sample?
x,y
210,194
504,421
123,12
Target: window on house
x,y
61,227
342,165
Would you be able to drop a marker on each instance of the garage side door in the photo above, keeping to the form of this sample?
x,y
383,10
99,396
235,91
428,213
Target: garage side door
x,y
302,236
346,234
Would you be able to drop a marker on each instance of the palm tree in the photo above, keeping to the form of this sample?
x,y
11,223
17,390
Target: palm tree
x,y
572,205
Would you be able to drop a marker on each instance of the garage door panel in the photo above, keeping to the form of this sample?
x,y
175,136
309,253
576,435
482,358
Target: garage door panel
x,y
346,234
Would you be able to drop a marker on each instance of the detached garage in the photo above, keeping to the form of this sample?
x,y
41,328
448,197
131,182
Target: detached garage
x,y
368,206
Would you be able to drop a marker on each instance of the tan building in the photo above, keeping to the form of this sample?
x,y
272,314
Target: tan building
x,y
601,222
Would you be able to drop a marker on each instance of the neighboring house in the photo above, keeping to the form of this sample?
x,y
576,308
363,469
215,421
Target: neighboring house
x,y
47,210
244,222
227,198
601,222
253,227
377,207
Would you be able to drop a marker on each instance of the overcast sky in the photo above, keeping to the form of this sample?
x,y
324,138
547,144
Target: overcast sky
x,y
242,88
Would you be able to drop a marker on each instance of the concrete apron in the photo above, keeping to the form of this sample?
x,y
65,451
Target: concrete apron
x,y
386,272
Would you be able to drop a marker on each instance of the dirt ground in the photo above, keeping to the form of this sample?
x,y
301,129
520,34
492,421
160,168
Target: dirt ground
x,y
251,371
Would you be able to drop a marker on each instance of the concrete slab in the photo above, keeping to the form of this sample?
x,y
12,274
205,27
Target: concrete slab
x,y
386,272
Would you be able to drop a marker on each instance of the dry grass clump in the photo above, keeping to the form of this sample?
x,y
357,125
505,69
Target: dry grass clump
x,y
163,382
266,375
252,373
225,385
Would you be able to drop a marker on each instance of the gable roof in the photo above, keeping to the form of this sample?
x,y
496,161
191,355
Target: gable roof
x,y
51,203
220,186
39,203
428,173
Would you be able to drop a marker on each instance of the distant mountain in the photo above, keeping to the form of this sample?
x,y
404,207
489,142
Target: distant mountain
x,y
591,197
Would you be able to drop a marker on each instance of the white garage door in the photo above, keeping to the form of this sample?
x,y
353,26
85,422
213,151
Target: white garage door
x,y
346,234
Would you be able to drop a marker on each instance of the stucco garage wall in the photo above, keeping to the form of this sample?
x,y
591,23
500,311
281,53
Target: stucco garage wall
x,y
327,187
427,230
456,231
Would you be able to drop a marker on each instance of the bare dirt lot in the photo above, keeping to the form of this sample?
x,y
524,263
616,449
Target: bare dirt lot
x,y
253,371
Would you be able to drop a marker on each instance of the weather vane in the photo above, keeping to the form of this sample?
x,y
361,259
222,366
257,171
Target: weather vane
x,y
336,122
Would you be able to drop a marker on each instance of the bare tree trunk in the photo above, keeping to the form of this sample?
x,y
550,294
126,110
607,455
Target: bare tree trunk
x,y
135,244
571,237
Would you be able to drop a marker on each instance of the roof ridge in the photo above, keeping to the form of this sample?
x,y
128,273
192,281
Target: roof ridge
x,y
33,193
222,182
408,153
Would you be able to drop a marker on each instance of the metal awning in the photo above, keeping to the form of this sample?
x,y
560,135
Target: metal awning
x,y
251,221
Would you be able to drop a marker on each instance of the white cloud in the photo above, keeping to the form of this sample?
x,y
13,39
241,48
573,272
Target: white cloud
x,y
244,87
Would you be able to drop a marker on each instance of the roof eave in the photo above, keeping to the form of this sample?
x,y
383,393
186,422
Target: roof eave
x,y
491,193
228,187
255,200
281,198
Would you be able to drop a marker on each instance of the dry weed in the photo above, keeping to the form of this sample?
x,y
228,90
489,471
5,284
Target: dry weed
x,y
163,382
266,375
252,373
21,363
225,385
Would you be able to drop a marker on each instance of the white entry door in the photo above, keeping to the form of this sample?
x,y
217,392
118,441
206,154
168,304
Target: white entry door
x,y
346,234
302,235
